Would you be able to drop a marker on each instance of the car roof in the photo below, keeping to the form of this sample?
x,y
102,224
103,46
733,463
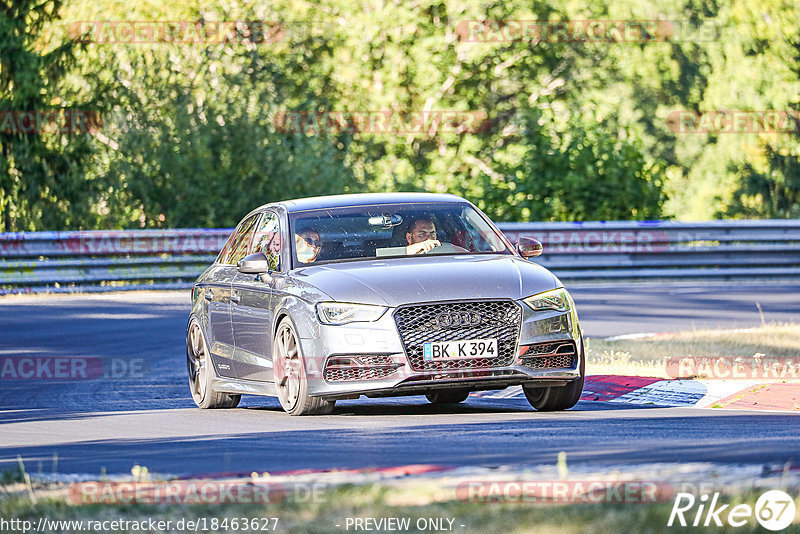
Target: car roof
x,y
361,199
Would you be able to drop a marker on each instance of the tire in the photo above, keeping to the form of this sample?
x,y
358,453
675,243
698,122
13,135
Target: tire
x,y
447,397
557,398
291,380
201,372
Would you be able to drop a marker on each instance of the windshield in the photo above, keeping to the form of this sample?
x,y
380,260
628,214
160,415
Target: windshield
x,y
391,230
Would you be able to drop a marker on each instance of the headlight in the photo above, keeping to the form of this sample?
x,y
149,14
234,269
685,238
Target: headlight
x,y
337,313
556,300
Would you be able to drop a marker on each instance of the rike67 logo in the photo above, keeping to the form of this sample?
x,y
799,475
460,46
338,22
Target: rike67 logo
x,y
774,510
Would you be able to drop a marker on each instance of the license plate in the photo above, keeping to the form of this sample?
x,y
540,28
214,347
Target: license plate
x,y
456,350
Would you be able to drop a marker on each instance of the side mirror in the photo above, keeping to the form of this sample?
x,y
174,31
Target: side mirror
x,y
529,247
256,263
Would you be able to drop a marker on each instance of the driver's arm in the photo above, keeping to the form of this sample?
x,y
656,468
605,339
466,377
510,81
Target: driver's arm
x,y
409,250
422,247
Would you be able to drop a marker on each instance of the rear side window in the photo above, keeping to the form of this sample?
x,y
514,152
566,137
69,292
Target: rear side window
x,y
226,249
268,240
240,241
224,252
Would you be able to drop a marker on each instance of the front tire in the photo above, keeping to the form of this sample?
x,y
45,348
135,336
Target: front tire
x,y
557,398
291,379
201,372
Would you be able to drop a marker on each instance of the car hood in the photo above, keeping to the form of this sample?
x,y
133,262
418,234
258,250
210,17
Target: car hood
x,y
398,281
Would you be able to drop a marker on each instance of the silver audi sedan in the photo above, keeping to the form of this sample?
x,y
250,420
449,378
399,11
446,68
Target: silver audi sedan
x,y
320,299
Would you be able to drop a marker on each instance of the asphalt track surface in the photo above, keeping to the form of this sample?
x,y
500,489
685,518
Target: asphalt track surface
x,y
115,423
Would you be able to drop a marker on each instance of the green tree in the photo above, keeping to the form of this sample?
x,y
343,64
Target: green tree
x,y
579,129
42,175
200,151
772,189
581,171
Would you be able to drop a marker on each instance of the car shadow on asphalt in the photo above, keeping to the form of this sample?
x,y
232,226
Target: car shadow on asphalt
x,y
667,437
37,415
362,407
478,405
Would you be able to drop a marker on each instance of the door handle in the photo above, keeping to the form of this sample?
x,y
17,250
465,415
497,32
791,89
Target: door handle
x,y
209,295
235,297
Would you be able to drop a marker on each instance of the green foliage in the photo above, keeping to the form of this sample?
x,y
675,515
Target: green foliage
x,y
772,190
583,172
773,194
579,129
11,476
42,176
194,155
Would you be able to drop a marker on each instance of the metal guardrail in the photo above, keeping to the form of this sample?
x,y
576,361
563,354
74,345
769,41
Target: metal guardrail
x,y
37,262
58,262
719,250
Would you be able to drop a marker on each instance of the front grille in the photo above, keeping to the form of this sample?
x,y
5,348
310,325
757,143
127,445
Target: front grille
x,y
561,355
550,362
363,373
361,367
424,323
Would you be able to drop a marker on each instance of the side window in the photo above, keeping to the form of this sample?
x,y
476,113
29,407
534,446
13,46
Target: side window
x,y
241,241
268,240
226,248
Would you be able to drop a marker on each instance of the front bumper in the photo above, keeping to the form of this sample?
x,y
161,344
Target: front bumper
x,y
370,359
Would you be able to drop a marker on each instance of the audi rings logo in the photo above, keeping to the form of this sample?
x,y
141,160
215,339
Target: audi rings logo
x,y
447,319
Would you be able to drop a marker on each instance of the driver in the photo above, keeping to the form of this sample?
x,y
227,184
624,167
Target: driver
x,y
421,236
422,239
